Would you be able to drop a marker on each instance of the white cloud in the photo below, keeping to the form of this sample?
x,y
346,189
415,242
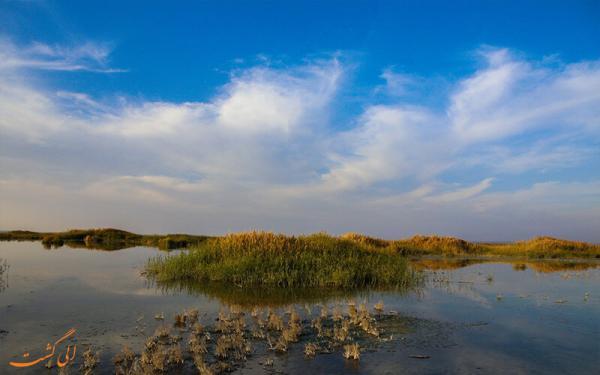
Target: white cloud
x,y
264,153
389,143
509,97
396,83
263,100
27,111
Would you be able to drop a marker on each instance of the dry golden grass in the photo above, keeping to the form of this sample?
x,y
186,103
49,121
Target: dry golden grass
x,y
545,247
352,351
310,349
538,247
110,239
365,240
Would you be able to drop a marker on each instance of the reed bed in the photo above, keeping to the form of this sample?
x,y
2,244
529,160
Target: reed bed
x,y
268,259
537,247
419,245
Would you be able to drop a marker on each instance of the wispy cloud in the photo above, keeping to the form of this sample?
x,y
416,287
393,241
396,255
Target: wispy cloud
x,y
89,56
396,84
461,194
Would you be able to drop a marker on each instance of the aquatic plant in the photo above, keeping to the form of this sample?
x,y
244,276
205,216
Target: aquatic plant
x,y
229,350
274,321
310,349
162,332
260,258
352,351
336,314
280,345
341,331
180,320
324,312
197,345
124,360
160,316
91,359
191,315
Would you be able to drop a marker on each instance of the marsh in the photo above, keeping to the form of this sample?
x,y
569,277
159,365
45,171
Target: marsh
x,y
547,320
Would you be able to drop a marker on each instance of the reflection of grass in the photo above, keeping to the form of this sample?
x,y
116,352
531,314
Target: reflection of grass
x,y
557,266
444,263
519,266
274,297
267,259
550,265
105,246
229,294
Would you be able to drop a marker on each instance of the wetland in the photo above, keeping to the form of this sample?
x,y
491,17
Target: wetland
x,y
462,313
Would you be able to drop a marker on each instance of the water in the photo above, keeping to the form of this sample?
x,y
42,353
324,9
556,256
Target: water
x,y
481,318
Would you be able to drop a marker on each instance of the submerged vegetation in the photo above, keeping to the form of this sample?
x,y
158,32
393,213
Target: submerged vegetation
x,y
267,259
237,336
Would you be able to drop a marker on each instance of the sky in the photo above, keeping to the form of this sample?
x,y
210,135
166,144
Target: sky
x,y
473,119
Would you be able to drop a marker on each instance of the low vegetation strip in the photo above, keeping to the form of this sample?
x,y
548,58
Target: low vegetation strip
x,y
105,238
111,239
267,259
538,247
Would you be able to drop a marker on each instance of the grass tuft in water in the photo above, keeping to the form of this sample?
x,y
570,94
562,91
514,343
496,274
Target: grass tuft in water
x,y
267,259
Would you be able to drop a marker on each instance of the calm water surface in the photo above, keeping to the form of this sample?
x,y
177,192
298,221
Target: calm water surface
x,y
479,319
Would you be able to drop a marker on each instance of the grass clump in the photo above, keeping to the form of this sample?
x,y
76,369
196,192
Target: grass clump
x,y
545,247
268,259
365,240
434,245
537,247
352,351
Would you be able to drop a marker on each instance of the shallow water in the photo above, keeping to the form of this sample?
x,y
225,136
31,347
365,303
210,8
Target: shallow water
x,y
491,317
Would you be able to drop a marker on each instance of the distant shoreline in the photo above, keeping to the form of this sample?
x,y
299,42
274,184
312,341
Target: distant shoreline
x,y
104,238
419,245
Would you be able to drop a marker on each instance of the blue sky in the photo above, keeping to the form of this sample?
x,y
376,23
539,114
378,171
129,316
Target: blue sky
x,y
475,119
